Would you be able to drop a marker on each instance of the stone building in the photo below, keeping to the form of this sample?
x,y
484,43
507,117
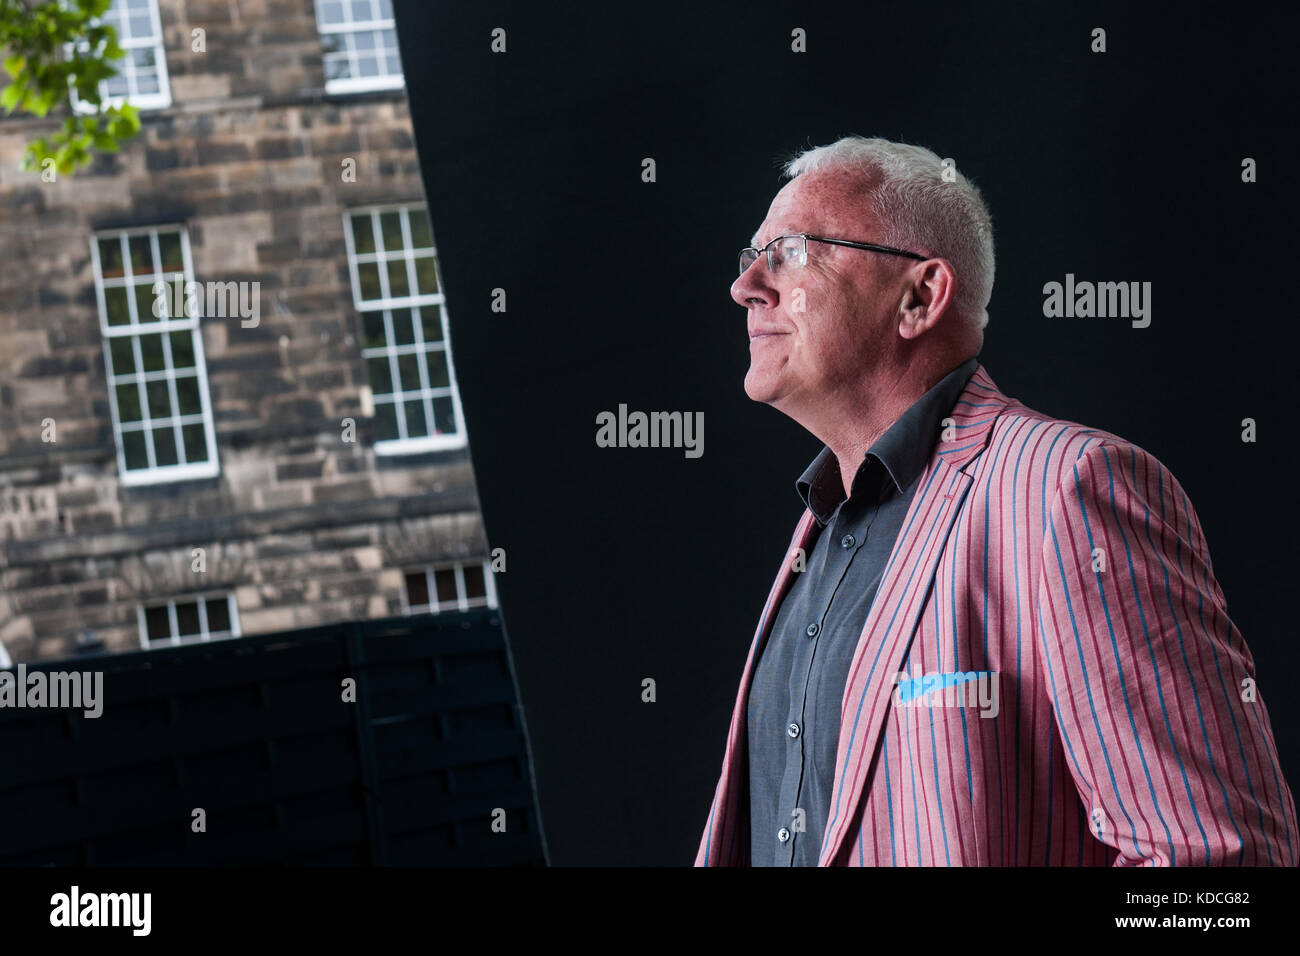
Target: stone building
x,y
228,400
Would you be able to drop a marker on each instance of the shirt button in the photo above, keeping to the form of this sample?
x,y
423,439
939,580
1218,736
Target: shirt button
x,y
783,835
811,629
847,541
793,730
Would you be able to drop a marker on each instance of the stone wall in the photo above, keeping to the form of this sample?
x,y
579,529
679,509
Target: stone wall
x,y
303,526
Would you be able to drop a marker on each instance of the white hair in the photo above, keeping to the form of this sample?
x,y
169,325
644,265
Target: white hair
x,y
918,210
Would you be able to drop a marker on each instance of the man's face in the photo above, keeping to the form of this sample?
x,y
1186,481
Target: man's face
x,y
824,328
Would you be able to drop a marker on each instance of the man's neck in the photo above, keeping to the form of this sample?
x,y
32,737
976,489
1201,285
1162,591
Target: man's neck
x,y
859,419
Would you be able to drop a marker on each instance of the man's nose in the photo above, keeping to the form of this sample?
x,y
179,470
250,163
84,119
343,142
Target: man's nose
x,y
754,286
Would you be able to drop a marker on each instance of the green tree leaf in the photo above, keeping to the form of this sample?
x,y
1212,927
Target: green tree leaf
x,y
55,50
11,95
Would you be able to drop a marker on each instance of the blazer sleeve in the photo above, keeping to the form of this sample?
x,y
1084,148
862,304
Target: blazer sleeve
x,y
1153,687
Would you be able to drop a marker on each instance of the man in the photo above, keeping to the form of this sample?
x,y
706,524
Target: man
x,y
997,638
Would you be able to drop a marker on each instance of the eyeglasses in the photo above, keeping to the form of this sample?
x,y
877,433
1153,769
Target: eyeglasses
x,y
793,250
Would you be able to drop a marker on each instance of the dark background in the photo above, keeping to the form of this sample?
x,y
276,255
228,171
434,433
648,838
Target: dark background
x,y
633,563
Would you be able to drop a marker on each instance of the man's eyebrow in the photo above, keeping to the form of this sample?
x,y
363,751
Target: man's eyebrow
x,y
753,242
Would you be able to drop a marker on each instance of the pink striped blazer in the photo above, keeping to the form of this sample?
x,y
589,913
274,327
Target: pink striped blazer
x,y
1070,564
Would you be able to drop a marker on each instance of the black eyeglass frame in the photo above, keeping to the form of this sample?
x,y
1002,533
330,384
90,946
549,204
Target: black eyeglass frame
x,y
868,246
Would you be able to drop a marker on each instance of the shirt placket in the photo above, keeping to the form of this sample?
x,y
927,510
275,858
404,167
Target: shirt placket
x,y
840,541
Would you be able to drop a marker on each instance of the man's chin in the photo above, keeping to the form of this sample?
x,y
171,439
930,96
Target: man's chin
x,y
760,390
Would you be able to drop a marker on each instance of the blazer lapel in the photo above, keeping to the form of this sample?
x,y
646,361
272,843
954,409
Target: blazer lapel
x,y
721,845
904,586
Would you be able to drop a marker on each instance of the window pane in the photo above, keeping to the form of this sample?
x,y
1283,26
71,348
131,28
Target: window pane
x,y
437,362
474,586
417,588
408,367
381,381
367,66
431,323
398,285
196,443
146,302
362,234
426,275
134,450
146,82
421,234
151,351
169,245
390,223
336,67
115,306
331,12
182,349
157,623
110,257
444,416
368,274
140,27
141,255
361,10
160,403
372,330
164,446
403,331
415,420
218,614
123,355
444,581
187,618
128,403
385,422
187,395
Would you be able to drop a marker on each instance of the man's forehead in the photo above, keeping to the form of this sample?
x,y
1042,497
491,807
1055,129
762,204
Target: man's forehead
x,y
810,204
810,224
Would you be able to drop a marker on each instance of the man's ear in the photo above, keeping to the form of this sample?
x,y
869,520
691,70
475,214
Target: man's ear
x,y
927,297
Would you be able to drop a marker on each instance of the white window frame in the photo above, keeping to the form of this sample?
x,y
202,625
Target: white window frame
x,y
154,473
141,101
354,83
385,304
173,623
462,599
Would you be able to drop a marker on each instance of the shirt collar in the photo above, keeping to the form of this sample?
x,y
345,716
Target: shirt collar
x,y
901,452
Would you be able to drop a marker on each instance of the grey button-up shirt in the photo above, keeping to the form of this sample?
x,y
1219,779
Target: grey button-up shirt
x,y
798,685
